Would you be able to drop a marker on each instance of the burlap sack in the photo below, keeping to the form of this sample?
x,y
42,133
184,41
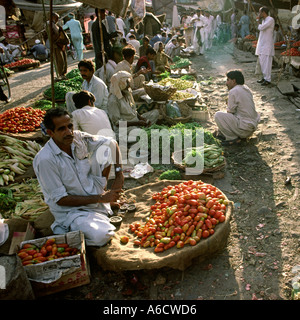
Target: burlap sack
x,y
117,257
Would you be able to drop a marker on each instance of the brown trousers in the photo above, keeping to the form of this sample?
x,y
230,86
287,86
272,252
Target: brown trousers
x,y
60,58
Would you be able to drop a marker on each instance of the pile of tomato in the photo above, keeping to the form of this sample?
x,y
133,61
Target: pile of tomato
x,y
21,119
182,215
291,52
30,254
20,63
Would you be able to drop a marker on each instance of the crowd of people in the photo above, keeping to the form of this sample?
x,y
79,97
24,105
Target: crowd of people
x,y
78,197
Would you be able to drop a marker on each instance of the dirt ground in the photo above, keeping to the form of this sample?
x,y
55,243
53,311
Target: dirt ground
x,y
263,245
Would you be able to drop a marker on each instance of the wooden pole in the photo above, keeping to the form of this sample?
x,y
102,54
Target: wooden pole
x,y
51,55
102,44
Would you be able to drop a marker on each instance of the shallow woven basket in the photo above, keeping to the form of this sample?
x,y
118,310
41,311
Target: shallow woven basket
x,y
185,111
158,94
177,157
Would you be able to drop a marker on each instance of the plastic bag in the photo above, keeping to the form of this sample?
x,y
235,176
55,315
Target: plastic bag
x,y
173,110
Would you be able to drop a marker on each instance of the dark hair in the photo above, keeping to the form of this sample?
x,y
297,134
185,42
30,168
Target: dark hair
x,y
128,52
236,75
86,64
265,10
132,36
82,98
276,25
150,50
92,17
146,38
53,113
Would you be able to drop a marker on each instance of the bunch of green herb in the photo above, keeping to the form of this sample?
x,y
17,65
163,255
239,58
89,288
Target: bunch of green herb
x,y
170,175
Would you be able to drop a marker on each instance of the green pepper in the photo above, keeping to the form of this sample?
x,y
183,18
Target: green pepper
x,y
60,250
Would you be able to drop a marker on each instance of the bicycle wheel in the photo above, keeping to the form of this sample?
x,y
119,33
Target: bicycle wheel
x,y
73,52
4,85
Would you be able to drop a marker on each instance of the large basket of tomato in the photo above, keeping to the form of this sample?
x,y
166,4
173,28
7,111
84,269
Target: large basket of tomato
x,y
174,223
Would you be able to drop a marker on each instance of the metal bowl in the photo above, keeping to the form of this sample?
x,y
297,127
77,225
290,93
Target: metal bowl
x,y
116,220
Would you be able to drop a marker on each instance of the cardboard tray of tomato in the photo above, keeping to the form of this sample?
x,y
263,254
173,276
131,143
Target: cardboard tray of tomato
x,y
163,233
49,258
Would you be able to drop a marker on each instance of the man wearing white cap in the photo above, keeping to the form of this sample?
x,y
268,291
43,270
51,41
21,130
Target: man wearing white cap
x,y
39,51
76,34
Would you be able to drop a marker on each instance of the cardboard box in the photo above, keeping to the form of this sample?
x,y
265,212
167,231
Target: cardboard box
x,y
73,280
19,237
62,273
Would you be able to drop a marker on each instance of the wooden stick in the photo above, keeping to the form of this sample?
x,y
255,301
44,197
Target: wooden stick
x,y
102,44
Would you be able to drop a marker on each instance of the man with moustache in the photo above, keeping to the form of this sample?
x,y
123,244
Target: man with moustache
x,y
72,169
92,84
241,118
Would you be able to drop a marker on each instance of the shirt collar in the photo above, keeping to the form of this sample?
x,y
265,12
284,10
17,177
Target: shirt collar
x,y
56,149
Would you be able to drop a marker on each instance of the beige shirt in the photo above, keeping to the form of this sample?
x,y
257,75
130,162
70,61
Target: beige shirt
x,y
241,104
121,110
123,65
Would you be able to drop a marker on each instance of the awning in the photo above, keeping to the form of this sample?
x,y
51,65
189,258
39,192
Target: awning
x,y
27,5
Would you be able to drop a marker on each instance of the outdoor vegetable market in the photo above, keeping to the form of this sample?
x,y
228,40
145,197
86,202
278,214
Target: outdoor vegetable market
x,y
145,153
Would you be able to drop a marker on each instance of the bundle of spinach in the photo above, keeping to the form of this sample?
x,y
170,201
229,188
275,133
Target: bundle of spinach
x,y
64,86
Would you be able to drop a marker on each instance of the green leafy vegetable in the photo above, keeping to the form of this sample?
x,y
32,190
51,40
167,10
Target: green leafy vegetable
x,y
170,175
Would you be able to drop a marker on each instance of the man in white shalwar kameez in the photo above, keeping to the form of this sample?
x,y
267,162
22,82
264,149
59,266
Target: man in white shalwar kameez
x,y
265,45
209,30
200,23
241,118
72,169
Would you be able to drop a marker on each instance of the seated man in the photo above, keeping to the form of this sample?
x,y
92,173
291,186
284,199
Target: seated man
x,y
111,63
172,49
135,43
126,65
92,84
88,118
11,51
147,63
39,51
72,170
241,119
121,105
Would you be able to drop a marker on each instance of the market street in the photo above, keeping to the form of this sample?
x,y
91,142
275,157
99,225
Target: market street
x,y
263,244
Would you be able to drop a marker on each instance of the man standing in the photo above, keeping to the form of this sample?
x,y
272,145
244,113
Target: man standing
x,y
199,35
60,40
209,30
234,29
92,84
97,38
241,118
90,23
76,34
72,169
111,22
244,24
265,44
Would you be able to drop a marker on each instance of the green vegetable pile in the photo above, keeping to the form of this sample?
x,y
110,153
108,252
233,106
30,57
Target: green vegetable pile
x,y
180,129
7,201
73,73
181,63
188,77
64,86
170,175
213,156
43,104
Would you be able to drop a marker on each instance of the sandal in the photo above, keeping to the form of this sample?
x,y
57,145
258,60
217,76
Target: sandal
x,y
218,135
231,142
